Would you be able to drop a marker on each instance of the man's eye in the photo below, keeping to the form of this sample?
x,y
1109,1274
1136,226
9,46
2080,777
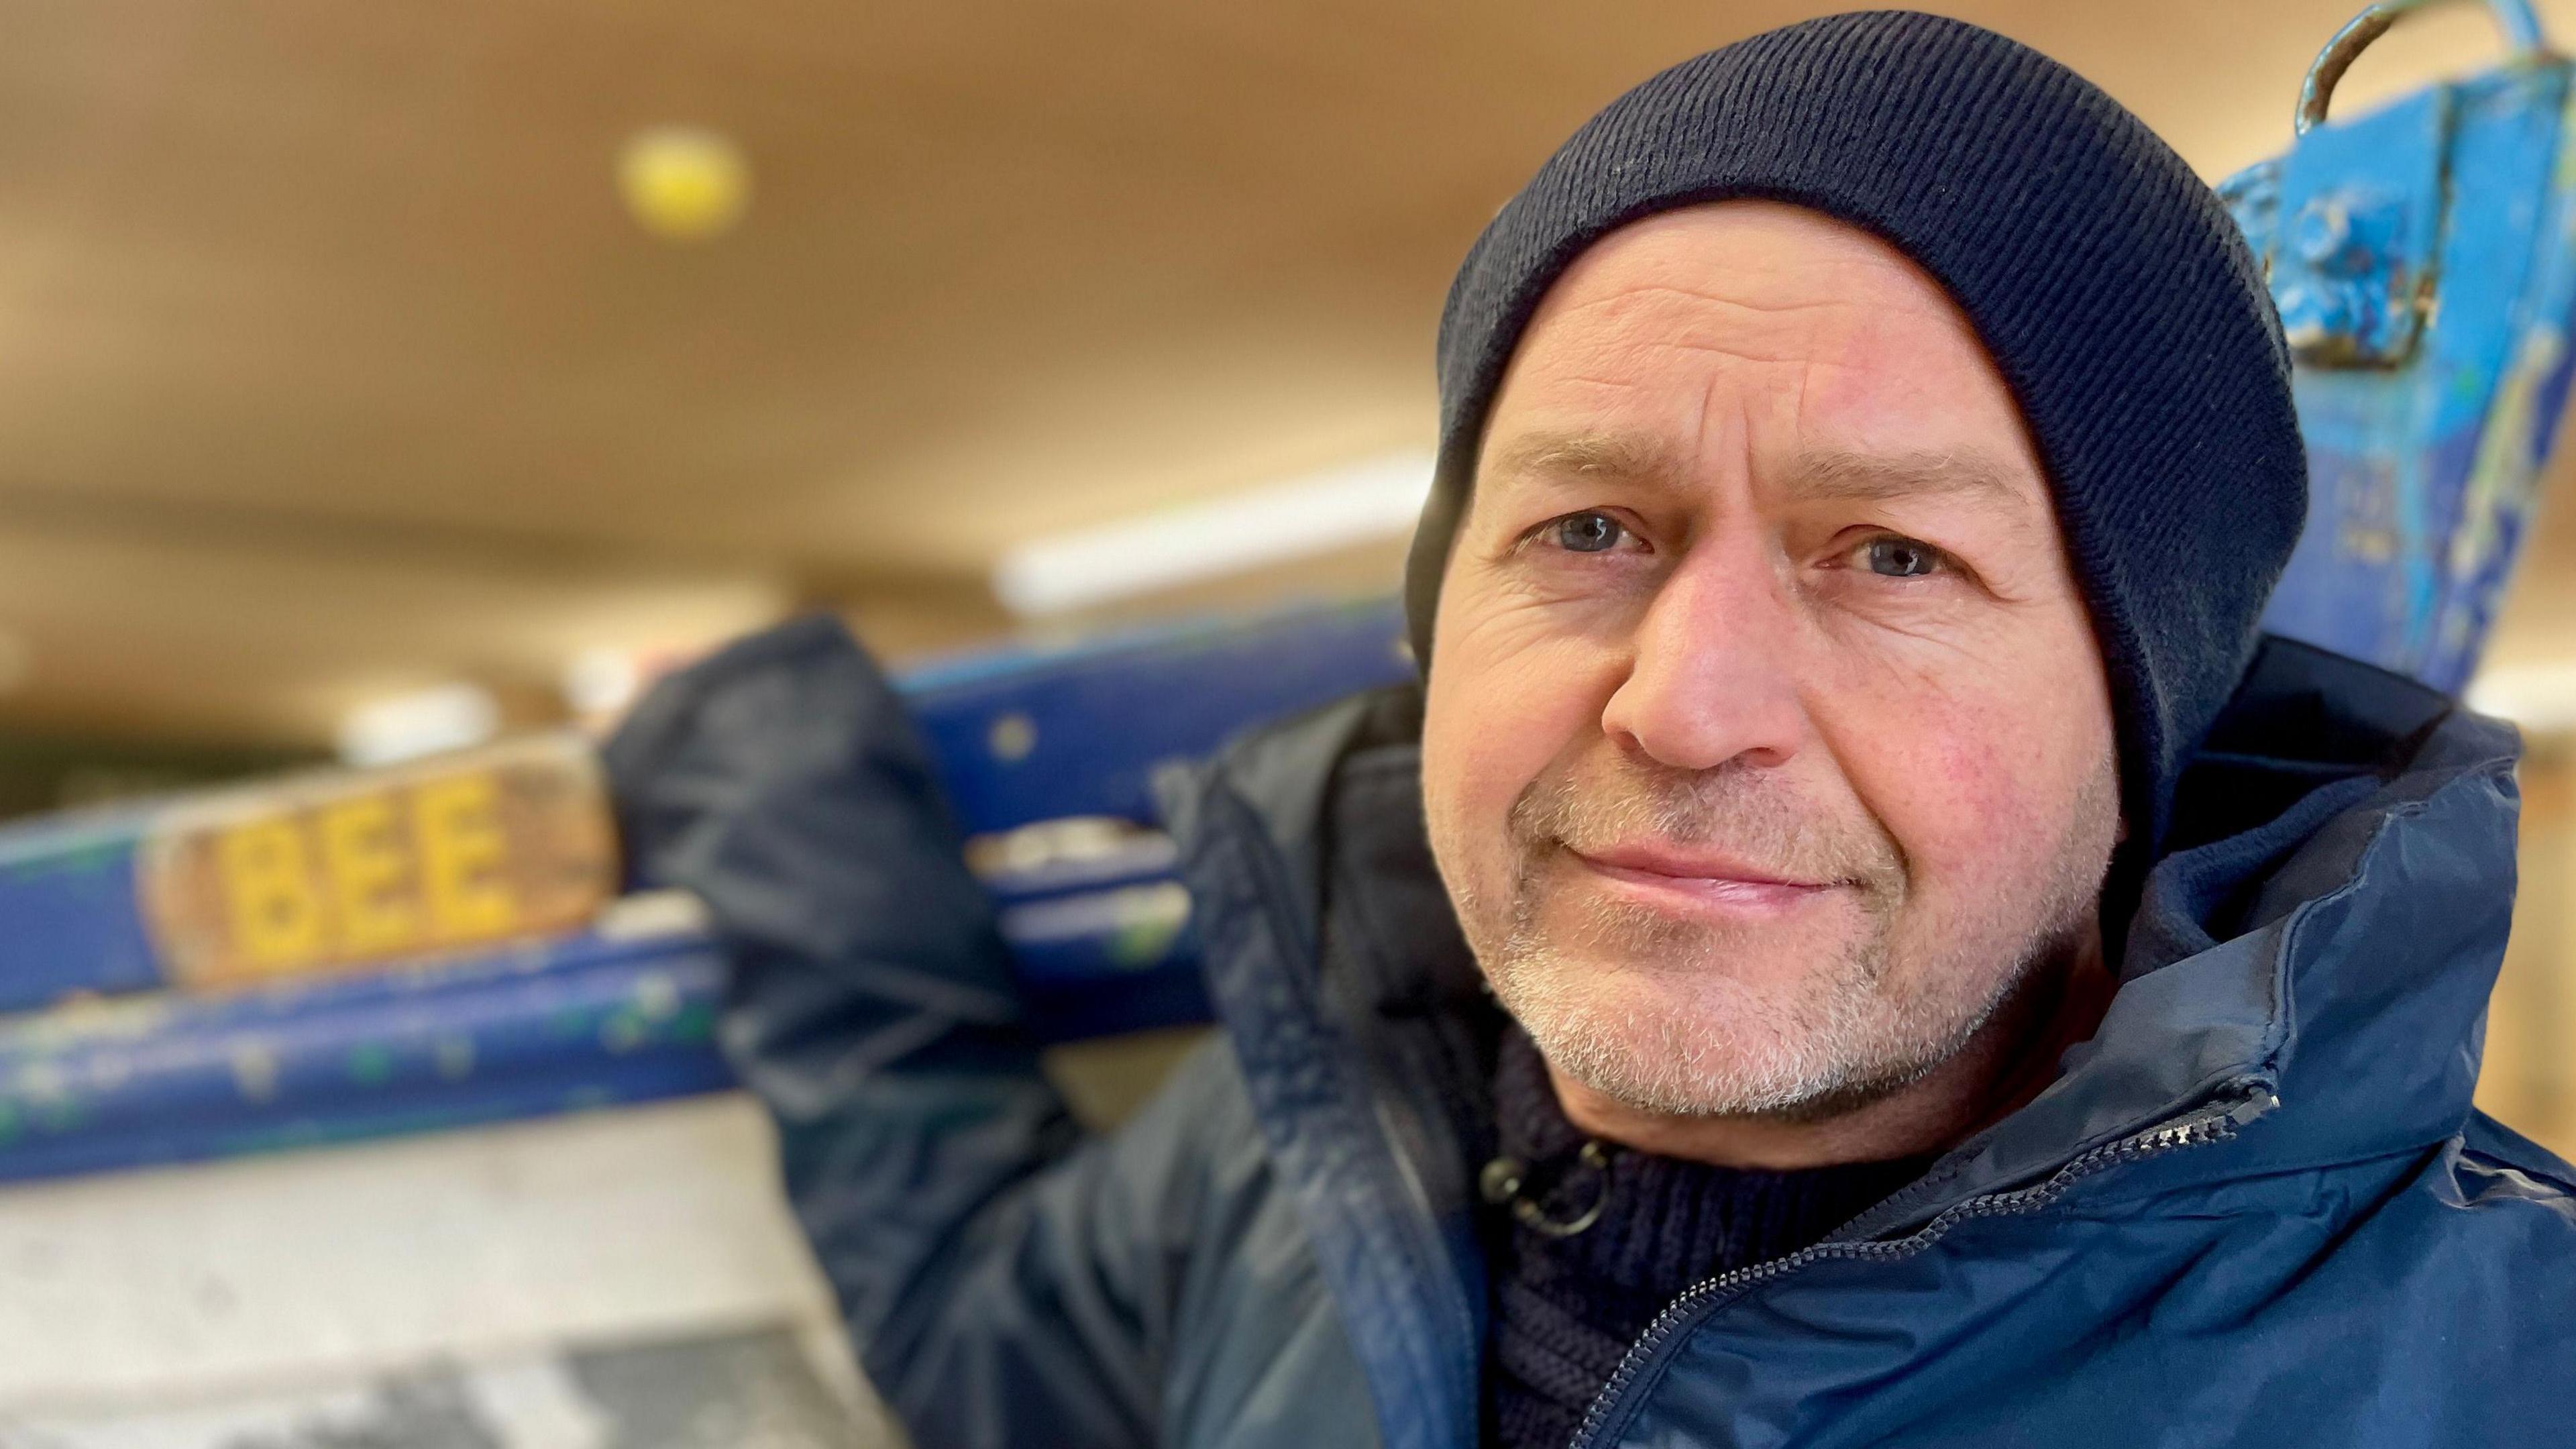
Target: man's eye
x,y
1588,532
1901,558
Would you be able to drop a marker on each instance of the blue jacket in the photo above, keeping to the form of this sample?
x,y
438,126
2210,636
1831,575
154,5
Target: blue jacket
x,y
2256,1208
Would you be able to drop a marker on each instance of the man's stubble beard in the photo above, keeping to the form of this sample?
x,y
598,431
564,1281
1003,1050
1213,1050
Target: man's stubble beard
x,y
1852,1029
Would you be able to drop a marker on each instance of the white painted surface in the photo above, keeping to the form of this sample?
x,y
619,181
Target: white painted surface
x,y
1128,558
202,1283
533,1404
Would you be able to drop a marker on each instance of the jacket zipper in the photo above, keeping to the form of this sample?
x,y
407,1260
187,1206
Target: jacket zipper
x,y
2216,1122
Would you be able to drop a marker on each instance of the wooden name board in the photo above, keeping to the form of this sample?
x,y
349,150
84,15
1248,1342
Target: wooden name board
x,y
342,869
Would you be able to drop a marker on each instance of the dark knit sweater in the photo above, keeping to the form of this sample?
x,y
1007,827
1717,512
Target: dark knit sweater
x,y
1566,1309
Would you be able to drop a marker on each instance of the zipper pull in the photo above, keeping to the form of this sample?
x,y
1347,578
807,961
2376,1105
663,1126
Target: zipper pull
x,y
2258,1102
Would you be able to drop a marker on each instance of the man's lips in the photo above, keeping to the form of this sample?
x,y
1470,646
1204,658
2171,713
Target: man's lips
x,y
1672,876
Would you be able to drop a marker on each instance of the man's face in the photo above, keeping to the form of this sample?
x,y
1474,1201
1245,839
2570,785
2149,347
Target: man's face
x,y
1768,746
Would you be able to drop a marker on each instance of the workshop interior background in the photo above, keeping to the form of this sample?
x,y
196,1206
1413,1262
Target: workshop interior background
x,y
381,379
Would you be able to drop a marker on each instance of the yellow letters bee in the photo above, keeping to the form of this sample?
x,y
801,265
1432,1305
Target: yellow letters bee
x,y
346,868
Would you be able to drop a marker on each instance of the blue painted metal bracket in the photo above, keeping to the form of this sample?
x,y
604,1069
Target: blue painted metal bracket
x,y
2424,260
1025,738
2353,267
1025,735
167,1076
1021,736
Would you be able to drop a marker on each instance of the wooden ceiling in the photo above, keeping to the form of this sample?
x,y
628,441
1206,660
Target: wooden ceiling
x,y
330,363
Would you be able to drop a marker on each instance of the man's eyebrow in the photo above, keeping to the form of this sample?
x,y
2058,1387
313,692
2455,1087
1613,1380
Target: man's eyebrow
x,y
1629,457
1646,461
1880,478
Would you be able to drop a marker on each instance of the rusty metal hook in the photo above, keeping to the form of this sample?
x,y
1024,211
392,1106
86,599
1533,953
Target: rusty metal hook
x,y
2514,17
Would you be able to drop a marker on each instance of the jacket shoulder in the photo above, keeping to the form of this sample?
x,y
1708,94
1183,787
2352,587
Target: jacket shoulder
x,y
2499,1163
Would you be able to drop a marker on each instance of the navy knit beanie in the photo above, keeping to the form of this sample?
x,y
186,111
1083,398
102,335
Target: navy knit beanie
x,y
2117,299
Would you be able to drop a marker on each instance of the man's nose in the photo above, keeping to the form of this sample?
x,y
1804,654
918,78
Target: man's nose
x,y
1710,678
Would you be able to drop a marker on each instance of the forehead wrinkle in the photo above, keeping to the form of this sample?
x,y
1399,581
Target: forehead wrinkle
x,y
1742,351
1639,291
1753,339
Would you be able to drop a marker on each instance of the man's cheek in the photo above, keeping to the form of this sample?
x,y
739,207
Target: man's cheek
x,y
1469,796
1491,728
1963,796
1463,802
1501,713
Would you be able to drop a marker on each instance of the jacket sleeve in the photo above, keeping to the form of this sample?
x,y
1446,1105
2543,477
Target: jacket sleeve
x,y
997,1270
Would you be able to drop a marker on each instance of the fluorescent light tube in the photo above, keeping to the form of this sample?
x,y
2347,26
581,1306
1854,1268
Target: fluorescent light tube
x,y
1362,503
2538,697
